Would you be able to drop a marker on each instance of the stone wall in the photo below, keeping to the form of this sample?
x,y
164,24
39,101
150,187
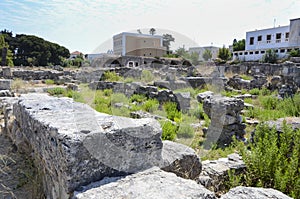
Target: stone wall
x,y
72,145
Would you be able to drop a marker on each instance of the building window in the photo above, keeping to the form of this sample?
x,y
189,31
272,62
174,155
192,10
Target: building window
x,y
282,50
287,34
241,53
262,52
289,50
235,54
278,37
259,38
251,53
251,40
268,38
256,52
246,53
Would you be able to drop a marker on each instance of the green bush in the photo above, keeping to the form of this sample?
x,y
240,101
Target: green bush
x,y
270,56
56,91
150,105
295,53
168,130
49,81
185,131
254,91
246,77
198,112
274,160
172,111
107,92
137,98
111,76
119,98
147,76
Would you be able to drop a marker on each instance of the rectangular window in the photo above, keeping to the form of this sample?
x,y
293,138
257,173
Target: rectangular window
x,y
246,53
287,34
259,38
268,38
282,50
251,53
251,40
262,52
256,52
241,53
278,35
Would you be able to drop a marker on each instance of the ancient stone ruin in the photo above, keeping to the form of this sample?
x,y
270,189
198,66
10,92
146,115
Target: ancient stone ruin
x,y
226,120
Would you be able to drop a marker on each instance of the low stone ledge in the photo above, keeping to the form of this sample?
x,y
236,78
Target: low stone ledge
x,y
150,184
254,192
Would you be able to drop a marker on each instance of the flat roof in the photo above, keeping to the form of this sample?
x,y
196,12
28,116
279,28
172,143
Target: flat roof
x,y
138,35
279,27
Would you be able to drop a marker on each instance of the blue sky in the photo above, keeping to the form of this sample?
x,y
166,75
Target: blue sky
x,y
87,25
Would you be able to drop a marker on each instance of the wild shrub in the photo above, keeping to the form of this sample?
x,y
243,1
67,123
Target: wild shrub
x,y
147,76
254,91
168,130
56,91
49,81
111,76
274,159
246,77
137,98
270,56
107,92
150,105
119,98
172,111
198,112
185,131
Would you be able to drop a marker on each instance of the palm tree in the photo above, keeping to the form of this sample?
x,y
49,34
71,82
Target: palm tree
x,y
152,31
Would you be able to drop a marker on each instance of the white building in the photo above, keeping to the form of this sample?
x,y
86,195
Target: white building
x,y
200,50
136,44
281,39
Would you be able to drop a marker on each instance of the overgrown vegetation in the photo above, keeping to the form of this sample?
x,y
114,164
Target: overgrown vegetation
x,y
270,56
111,76
273,160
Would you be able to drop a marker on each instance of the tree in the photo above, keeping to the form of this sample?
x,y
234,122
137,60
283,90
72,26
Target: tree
x,y
270,56
194,57
167,39
224,53
6,56
238,45
152,31
207,55
181,52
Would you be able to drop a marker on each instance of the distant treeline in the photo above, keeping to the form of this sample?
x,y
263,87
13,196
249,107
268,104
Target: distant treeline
x,y
32,50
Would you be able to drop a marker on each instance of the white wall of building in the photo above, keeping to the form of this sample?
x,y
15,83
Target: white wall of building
x,y
260,38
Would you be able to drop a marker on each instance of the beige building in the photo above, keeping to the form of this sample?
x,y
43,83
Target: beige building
x,y
136,44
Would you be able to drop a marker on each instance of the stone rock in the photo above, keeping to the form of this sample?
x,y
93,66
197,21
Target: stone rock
x,y
181,160
74,145
237,82
241,192
6,72
172,85
244,96
184,99
293,122
5,84
226,120
258,81
72,86
215,172
205,95
150,184
6,93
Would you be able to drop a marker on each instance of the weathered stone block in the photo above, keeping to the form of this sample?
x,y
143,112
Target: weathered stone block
x,y
5,84
254,192
150,184
75,145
